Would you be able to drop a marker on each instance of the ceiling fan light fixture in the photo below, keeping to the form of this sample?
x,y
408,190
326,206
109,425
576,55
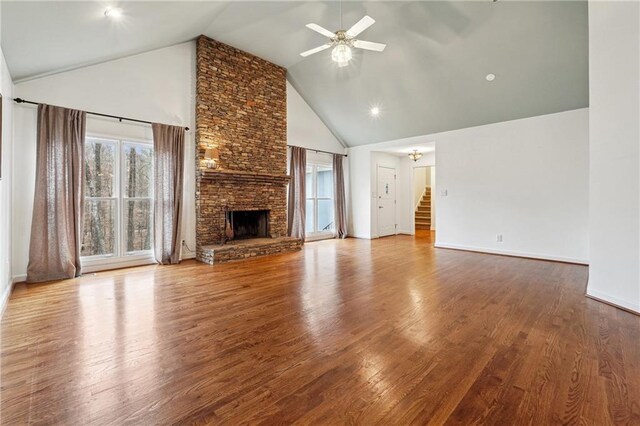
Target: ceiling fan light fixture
x,y
415,155
341,54
113,12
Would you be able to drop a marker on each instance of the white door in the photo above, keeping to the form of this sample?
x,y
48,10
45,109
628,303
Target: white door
x,y
386,201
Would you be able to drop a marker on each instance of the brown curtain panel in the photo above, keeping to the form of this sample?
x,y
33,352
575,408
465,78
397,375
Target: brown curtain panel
x,y
56,226
340,207
297,195
168,148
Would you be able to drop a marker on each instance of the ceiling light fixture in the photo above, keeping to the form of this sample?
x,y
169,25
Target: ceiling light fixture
x,y
343,41
341,55
113,12
375,111
490,77
415,155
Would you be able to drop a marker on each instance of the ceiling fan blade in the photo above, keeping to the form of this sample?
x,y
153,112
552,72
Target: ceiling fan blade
x,y
316,50
317,28
360,26
369,45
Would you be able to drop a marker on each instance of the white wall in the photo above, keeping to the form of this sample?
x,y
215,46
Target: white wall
x,y
525,179
493,177
156,86
6,89
304,127
614,91
362,194
433,197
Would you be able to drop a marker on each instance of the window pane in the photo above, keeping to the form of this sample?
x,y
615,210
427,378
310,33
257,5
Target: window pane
x,y
309,182
100,167
138,170
138,224
309,225
325,182
325,215
98,235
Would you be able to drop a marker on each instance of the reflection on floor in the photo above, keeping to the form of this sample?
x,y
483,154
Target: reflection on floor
x,y
359,331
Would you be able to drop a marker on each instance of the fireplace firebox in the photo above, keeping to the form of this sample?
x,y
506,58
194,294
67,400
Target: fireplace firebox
x,y
248,224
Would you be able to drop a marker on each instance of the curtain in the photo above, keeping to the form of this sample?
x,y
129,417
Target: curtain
x,y
340,207
297,194
56,226
168,151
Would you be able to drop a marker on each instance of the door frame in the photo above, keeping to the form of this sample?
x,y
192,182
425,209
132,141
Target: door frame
x,y
395,200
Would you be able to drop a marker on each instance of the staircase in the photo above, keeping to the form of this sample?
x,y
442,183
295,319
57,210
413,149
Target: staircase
x,y
423,211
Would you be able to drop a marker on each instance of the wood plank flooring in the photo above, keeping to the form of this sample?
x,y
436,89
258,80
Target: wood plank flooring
x,y
390,331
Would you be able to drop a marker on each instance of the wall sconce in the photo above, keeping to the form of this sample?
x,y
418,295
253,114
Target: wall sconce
x,y
211,157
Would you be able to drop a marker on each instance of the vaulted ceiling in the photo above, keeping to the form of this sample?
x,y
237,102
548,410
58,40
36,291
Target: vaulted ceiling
x,y
431,77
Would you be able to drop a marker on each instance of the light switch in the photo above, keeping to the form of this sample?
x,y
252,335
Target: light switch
x,y
444,193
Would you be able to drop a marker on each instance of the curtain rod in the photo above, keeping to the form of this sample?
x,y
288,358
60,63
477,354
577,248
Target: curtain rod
x,y
22,101
316,150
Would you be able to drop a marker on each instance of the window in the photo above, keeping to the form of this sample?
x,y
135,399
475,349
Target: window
x,y
118,204
319,208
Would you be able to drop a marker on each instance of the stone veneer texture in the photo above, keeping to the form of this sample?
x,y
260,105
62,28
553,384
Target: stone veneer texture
x,y
241,109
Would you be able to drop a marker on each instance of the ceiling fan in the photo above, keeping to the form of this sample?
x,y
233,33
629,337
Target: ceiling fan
x,y
342,41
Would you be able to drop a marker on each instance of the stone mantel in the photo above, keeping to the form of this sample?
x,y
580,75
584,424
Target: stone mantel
x,y
243,176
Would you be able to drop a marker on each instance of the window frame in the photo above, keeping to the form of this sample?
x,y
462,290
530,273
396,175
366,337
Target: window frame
x,y
318,234
121,258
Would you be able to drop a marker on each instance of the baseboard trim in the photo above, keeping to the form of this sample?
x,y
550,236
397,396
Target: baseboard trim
x,y
613,301
19,278
5,298
514,254
121,264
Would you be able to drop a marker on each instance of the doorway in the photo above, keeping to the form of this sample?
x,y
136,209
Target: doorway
x,y
423,188
386,192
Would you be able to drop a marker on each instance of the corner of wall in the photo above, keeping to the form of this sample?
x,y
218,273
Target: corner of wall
x,y
6,191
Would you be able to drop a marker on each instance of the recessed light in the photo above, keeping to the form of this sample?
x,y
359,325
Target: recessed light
x,y
113,12
490,77
375,111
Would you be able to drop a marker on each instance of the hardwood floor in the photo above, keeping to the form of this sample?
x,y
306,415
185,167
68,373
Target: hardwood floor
x,y
390,331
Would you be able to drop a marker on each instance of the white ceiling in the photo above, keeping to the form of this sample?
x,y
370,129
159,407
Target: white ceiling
x,y
431,77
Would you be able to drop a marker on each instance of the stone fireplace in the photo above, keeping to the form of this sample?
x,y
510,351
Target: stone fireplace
x,y
241,112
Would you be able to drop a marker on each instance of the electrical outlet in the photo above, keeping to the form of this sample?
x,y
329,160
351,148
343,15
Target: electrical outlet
x,y
499,238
